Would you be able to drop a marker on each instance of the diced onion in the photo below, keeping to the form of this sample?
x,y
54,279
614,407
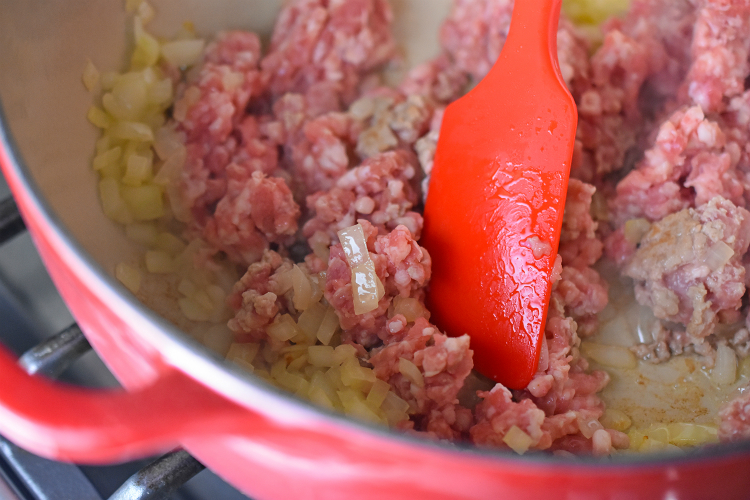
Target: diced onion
x,y
609,355
302,289
99,117
411,372
344,352
170,243
718,255
147,47
144,202
517,440
283,329
108,158
378,393
140,232
138,169
245,351
159,262
132,131
356,376
321,355
636,229
113,204
367,289
183,52
319,382
90,76
354,244
396,409
615,419
309,321
328,326
724,371
410,308
688,434
129,276
192,310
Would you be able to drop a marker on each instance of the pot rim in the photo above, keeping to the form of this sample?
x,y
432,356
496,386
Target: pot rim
x,y
248,391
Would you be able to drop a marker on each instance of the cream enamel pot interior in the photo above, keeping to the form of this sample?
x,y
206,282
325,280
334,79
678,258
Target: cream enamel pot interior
x,y
267,443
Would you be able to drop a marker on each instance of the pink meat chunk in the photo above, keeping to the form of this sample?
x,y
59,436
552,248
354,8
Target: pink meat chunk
x,y
328,45
403,267
258,211
444,363
438,80
208,112
691,151
720,52
379,190
258,297
688,267
734,419
579,245
647,49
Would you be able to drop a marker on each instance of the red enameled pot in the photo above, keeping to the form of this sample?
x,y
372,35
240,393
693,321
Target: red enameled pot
x,y
267,443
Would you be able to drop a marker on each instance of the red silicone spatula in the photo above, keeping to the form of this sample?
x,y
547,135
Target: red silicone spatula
x,y
496,199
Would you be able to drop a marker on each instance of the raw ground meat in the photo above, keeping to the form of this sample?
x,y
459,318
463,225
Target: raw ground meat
x,y
688,267
327,46
285,150
692,180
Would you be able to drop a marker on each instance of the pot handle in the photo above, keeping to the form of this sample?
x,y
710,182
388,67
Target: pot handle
x,y
64,422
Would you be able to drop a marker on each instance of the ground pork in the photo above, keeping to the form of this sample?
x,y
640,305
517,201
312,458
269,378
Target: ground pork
x,y
258,297
403,267
690,163
720,52
734,419
379,190
688,267
208,112
643,59
443,362
327,46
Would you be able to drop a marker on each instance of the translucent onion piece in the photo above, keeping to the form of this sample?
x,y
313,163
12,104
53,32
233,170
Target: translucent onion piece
x,y
183,52
609,355
328,326
90,76
283,329
321,355
636,229
615,419
302,289
518,440
411,372
378,393
367,289
724,371
718,255
128,276
355,246
159,262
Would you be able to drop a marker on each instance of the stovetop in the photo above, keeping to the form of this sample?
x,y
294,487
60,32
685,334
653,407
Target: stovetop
x,y
32,311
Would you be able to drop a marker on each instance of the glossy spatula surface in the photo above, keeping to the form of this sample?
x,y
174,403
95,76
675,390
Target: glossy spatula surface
x,y
496,200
